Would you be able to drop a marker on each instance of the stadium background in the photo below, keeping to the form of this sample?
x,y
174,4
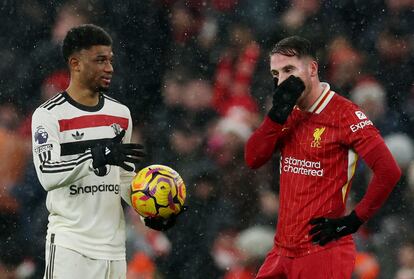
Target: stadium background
x,y
195,75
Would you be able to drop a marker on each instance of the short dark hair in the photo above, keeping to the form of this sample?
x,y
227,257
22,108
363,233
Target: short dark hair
x,y
294,46
84,37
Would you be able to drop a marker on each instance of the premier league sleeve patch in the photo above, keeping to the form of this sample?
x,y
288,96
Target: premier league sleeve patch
x,y
43,148
40,135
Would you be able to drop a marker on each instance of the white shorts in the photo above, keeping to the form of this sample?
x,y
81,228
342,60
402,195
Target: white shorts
x,y
63,263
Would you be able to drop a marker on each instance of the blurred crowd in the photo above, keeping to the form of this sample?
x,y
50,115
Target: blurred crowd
x,y
195,76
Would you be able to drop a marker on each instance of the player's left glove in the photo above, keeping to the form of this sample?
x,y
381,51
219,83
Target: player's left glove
x,y
162,224
116,153
325,230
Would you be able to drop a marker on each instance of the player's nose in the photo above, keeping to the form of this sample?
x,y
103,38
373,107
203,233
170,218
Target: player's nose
x,y
284,77
108,68
280,80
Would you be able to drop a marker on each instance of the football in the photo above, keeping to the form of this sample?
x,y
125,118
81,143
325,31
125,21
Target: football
x,y
157,191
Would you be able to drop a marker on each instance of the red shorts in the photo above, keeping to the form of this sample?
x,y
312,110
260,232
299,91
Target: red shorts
x,y
333,263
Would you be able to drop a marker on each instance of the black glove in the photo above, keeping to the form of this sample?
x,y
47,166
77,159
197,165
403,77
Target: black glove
x,y
116,153
325,230
161,224
284,98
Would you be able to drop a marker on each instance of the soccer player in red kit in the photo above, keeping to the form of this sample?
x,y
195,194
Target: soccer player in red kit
x,y
320,136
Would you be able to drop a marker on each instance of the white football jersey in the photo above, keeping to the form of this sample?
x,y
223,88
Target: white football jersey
x,y
85,209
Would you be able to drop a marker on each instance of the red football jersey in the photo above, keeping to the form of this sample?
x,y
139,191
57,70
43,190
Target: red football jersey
x,y
319,151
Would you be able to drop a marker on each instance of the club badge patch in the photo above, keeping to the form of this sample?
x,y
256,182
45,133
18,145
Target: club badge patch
x,y
40,135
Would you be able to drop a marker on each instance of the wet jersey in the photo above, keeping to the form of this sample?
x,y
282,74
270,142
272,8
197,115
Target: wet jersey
x,y
85,209
319,151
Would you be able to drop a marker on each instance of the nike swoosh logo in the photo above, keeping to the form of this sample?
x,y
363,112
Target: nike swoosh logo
x,y
339,229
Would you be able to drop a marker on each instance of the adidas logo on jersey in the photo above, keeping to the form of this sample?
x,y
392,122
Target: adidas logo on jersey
x,y
77,135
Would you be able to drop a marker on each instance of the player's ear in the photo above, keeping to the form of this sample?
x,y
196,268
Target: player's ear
x,y
74,63
313,68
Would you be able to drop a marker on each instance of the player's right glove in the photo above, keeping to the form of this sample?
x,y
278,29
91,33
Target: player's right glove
x,y
325,230
161,224
284,98
116,153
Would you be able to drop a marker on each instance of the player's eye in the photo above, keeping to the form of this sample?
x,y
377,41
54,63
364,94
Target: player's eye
x,y
104,61
288,70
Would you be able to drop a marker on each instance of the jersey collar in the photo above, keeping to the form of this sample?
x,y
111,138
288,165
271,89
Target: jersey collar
x,y
98,107
322,100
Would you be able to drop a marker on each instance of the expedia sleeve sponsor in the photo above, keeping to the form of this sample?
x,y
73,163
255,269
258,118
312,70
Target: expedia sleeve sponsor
x,y
304,167
92,189
360,125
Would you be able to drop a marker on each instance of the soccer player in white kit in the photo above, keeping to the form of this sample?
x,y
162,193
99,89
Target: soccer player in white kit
x,y
84,160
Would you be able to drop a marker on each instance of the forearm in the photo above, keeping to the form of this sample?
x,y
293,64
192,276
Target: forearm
x,y
386,175
126,178
55,174
260,146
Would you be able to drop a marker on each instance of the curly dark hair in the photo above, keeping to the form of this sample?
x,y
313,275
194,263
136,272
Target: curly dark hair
x,y
84,37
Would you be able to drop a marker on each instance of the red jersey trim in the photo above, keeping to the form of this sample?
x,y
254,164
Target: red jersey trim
x,y
91,121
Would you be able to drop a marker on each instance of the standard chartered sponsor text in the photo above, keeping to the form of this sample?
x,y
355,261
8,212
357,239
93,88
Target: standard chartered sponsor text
x,y
303,167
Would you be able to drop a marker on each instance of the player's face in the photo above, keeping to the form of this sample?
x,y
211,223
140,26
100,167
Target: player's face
x,y
95,67
281,67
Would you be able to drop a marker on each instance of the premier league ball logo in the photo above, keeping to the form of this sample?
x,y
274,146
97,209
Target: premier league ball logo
x,y
40,135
